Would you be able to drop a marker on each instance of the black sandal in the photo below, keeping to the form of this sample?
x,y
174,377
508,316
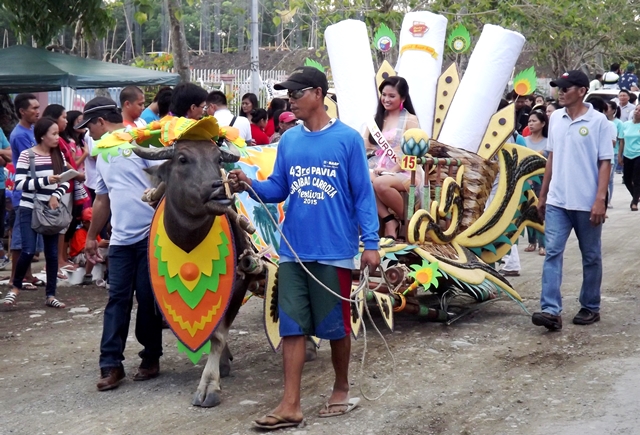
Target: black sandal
x,y
389,218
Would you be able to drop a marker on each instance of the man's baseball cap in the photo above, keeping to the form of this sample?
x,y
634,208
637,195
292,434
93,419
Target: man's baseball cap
x,y
287,117
571,78
304,77
99,107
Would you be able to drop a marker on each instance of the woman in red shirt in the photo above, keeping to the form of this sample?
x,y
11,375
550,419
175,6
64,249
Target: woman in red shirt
x,y
276,105
258,123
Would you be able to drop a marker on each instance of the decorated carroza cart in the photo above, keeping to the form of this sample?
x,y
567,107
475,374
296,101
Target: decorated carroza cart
x,y
472,204
476,197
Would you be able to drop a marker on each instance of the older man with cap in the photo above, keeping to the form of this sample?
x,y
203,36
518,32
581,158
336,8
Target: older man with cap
x,y
322,168
121,181
573,196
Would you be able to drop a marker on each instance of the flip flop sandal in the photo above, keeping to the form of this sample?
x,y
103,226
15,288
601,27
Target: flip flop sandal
x,y
54,303
38,282
27,285
281,423
530,248
10,299
351,405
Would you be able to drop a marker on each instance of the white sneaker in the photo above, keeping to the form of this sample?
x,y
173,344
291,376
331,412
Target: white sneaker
x,y
4,262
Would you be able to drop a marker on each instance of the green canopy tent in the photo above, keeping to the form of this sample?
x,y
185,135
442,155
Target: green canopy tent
x,y
27,69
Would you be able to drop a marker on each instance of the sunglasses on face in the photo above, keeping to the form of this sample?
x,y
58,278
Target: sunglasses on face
x,y
565,90
299,93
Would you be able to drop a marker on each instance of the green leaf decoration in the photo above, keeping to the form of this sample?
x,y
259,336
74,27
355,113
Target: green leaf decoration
x,y
503,239
490,247
477,251
459,40
384,39
525,82
194,357
313,63
112,151
206,283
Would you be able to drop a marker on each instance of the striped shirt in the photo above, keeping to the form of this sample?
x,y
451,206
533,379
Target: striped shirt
x,y
40,185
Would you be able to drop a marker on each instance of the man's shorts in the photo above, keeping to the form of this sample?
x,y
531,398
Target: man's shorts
x,y
16,238
306,308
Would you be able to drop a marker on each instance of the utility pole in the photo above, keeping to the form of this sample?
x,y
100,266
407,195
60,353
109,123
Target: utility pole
x,y
255,57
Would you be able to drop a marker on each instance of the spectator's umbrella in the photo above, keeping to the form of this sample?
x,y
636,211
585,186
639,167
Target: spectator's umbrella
x,y
27,69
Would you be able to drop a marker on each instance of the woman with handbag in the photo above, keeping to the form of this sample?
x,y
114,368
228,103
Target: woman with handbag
x,y
38,176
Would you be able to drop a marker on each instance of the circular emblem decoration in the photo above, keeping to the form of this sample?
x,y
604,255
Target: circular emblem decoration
x,y
127,152
583,131
458,44
385,44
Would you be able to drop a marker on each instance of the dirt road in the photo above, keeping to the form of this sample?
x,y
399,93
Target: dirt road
x,y
490,373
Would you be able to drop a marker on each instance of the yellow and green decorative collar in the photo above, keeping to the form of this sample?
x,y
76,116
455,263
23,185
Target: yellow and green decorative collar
x,y
164,133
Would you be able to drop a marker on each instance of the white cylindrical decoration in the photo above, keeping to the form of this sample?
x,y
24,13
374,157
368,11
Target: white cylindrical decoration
x,y
490,67
420,62
353,74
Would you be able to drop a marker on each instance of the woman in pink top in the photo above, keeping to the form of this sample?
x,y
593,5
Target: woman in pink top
x,y
394,116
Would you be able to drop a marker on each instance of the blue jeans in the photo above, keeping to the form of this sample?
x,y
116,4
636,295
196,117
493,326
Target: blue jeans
x,y
558,225
129,273
29,238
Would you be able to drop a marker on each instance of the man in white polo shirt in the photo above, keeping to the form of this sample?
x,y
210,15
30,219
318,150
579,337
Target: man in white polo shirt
x,y
573,196
217,107
120,183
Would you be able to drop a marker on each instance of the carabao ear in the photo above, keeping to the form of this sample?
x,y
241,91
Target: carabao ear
x,y
158,173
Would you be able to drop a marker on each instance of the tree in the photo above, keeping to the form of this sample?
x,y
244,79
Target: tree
x,y
178,41
45,19
558,33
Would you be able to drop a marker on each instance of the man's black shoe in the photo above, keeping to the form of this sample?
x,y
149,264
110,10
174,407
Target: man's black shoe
x,y
549,321
586,317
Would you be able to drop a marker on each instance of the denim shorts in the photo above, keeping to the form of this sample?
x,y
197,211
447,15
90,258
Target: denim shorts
x,y
16,238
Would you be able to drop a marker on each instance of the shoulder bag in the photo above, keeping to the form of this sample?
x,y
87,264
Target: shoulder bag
x,y
44,219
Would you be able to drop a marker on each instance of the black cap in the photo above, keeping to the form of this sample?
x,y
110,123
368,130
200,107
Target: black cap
x,y
571,78
96,108
304,77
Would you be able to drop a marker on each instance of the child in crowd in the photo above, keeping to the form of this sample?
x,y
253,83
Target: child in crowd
x,y
76,248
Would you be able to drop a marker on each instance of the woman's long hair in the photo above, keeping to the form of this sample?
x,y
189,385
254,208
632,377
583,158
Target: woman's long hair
x,y
254,103
39,131
400,85
275,105
70,132
542,117
614,106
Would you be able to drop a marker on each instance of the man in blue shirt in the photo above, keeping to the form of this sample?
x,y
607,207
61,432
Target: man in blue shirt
x,y
629,79
322,168
21,138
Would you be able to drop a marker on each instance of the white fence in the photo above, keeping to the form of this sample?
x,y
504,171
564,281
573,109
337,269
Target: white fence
x,y
235,84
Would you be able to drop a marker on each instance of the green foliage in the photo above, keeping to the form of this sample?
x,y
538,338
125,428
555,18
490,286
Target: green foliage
x,y
558,32
45,19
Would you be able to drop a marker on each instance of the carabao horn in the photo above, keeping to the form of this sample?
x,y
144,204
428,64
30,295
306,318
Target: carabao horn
x,y
151,153
229,154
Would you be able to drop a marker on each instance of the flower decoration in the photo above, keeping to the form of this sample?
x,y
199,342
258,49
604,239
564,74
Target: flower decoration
x,y
525,82
425,275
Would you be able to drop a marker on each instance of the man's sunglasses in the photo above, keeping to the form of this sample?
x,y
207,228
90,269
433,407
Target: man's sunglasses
x,y
565,90
296,95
